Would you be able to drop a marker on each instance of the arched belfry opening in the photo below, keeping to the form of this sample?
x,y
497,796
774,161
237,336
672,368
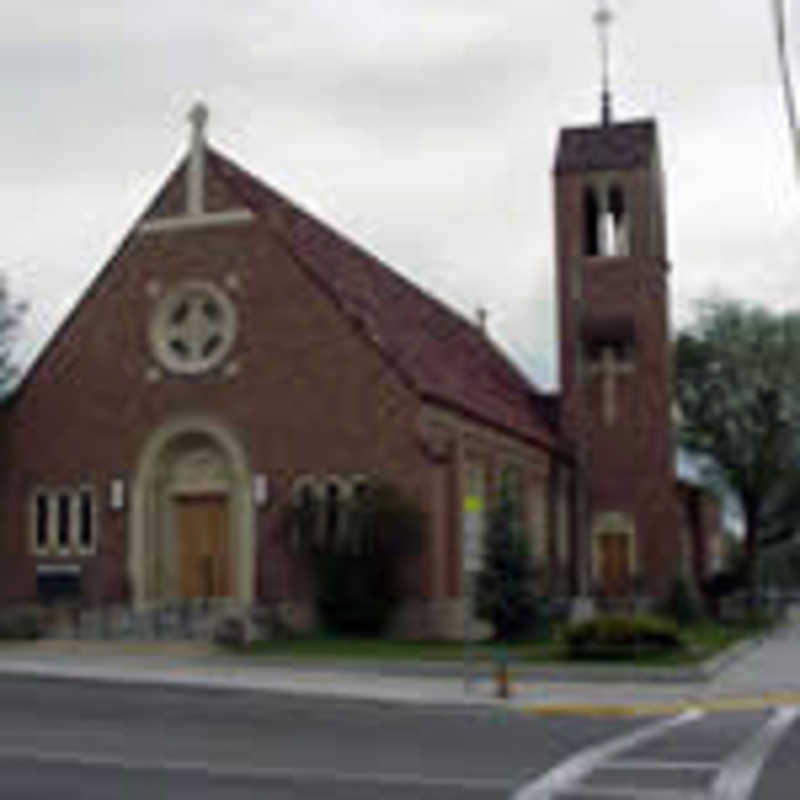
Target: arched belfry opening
x,y
591,222
191,534
605,222
617,223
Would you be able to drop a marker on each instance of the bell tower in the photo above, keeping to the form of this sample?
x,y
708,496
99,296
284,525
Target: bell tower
x,y
615,356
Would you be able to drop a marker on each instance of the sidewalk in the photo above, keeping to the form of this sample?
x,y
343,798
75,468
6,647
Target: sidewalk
x,y
769,674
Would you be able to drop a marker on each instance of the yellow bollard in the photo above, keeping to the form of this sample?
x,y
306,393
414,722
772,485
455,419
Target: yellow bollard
x,y
502,683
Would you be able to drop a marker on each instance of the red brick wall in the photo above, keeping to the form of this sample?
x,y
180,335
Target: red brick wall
x,y
630,464
312,395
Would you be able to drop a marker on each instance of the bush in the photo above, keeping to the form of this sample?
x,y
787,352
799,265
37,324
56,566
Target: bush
x,y
609,637
682,604
230,631
355,593
359,569
20,625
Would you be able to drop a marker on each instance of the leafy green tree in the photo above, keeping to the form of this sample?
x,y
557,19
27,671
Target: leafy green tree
x,y
739,398
11,313
505,589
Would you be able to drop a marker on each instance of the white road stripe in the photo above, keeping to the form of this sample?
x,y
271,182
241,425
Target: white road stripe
x,y
740,773
572,771
630,793
299,773
700,766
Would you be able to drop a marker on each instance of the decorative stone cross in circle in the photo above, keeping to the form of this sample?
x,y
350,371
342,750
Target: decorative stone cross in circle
x,y
196,328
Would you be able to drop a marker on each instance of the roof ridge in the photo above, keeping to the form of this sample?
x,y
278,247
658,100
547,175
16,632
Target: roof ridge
x,y
398,317
455,314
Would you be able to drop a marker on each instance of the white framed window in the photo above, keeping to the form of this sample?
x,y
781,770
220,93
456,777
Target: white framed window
x,y
473,514
307,500
41,527
63,522
338,493
85,521
511,490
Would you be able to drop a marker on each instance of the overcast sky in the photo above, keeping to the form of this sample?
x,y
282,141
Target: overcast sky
x,y
424,129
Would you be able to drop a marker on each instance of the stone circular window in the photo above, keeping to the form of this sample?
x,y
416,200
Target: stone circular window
x,y
193,328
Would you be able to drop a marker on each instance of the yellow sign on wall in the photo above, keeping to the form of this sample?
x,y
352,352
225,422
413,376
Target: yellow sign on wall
x,y
473,504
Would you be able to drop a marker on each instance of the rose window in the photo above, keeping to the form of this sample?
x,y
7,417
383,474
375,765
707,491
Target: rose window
x,y
193,328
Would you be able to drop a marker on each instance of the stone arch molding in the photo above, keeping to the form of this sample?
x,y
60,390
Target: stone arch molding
x,y
207,451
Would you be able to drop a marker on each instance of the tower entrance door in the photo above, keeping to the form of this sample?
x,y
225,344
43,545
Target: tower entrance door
x,y
614,563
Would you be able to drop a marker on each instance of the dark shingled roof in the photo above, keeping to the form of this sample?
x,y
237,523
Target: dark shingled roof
x,y
442,355
626,145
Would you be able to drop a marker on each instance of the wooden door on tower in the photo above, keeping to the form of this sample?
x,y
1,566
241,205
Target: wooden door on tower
x,y
614,563
203,564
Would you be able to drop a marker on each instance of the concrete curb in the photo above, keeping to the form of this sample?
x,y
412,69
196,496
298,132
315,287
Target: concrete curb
x,y
344,680
184,677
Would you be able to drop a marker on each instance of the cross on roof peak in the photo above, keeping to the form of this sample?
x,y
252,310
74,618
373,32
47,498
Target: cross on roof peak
x,y
198,116
603,17
195,175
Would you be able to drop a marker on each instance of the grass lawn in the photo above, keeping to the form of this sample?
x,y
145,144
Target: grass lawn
x,y
703,640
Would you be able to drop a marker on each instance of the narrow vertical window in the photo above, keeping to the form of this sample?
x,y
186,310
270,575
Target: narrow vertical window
x,y
618,223
358,513
591,223
307,516
86,519
511,493
42,521
62,518
474,515
332,513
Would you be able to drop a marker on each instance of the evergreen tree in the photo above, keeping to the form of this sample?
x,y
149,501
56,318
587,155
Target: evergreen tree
x,y
505,594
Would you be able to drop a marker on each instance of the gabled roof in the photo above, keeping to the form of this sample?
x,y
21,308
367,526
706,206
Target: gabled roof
x,y
444,357
625,145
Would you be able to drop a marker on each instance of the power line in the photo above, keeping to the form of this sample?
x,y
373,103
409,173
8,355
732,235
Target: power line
x,y
779,15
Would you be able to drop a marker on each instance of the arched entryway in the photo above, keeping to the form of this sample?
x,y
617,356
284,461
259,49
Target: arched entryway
x,y
191,531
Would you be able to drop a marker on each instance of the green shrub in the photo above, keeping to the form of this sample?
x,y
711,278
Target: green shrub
x,y
19,624
356,594
682,603
609,637
505,593
359,568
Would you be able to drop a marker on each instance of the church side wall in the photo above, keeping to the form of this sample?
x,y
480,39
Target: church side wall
x,y
457,446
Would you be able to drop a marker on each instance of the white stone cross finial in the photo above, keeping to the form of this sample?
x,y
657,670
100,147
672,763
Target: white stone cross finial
x,y
198,116
195,180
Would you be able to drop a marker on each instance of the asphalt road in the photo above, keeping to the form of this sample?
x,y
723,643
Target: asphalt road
x,y
72,739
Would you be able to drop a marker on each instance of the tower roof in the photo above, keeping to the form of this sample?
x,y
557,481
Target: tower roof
x,y
624,145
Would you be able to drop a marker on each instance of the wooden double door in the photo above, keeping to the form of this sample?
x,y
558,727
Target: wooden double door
x,y
203,546
615,559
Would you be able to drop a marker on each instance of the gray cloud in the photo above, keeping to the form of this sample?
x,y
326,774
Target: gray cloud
x,y
425,129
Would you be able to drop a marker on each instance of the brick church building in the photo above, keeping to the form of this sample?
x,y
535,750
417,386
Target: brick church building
x,y
235,351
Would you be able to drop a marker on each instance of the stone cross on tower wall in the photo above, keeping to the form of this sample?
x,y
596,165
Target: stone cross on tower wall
x,y
609,368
